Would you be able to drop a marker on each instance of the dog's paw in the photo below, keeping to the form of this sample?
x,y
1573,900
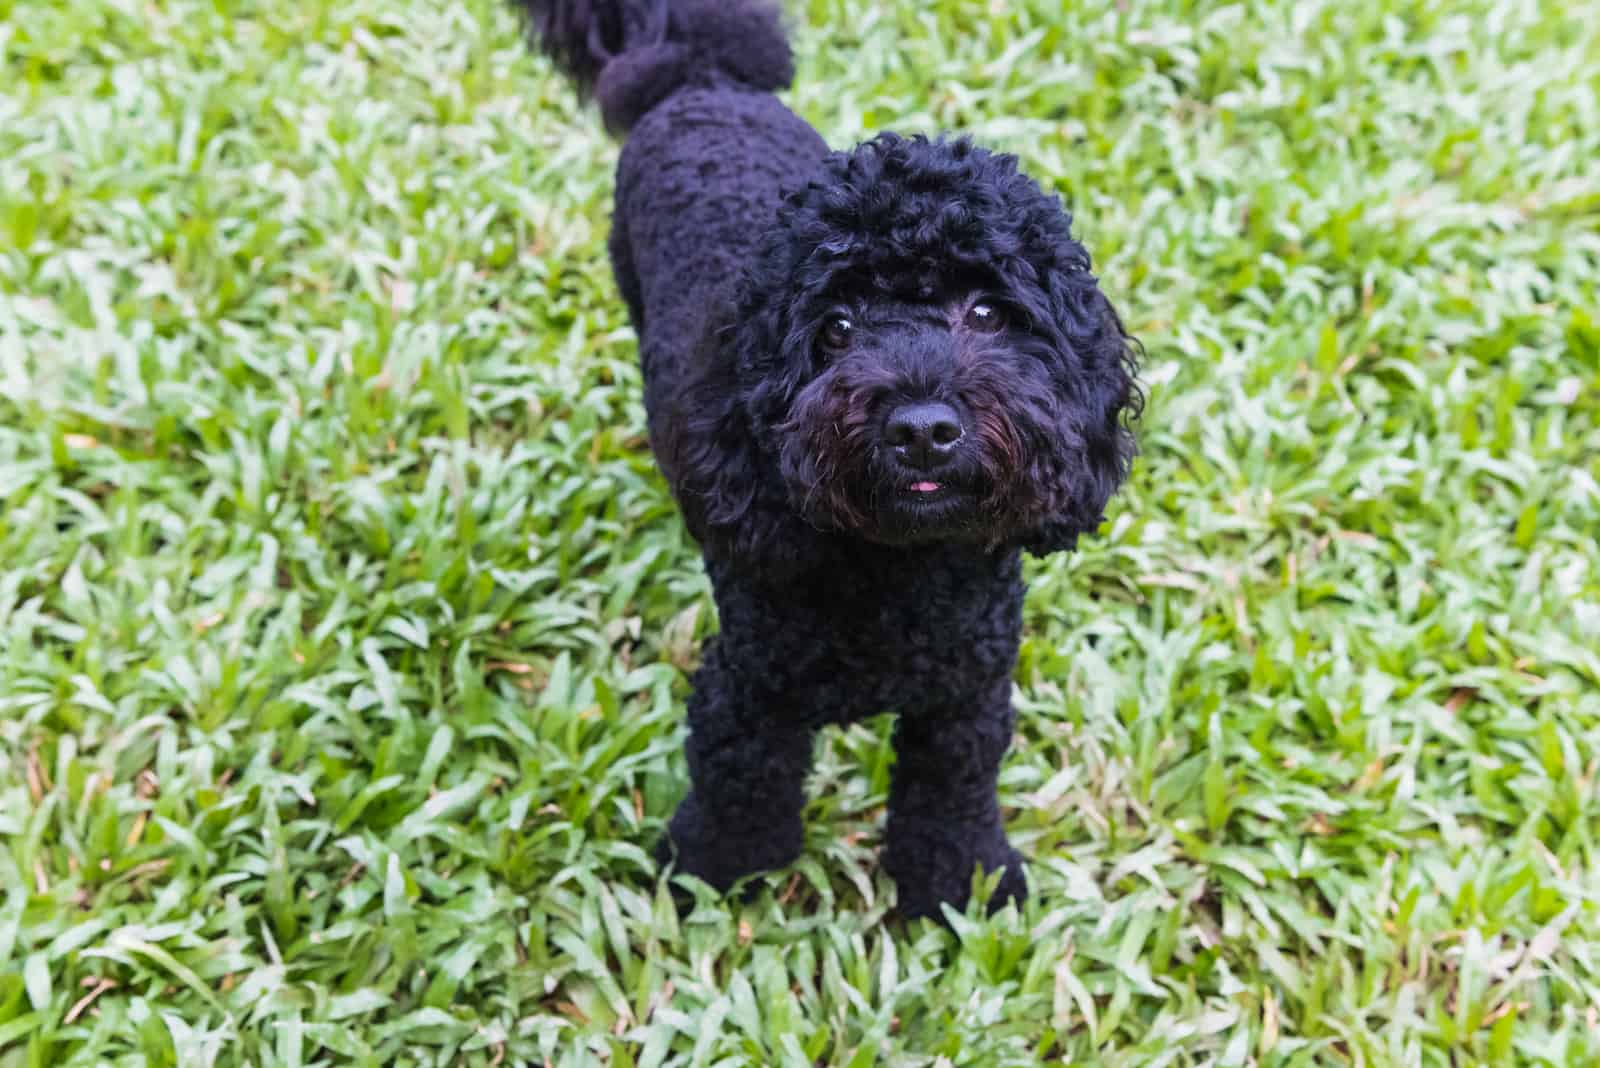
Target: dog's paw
x,y
719,854
672,862
925,892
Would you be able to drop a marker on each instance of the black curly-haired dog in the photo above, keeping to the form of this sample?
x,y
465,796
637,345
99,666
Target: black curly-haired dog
x,y
873,377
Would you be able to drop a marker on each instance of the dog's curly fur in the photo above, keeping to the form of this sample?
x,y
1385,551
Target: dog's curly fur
x,y
804,319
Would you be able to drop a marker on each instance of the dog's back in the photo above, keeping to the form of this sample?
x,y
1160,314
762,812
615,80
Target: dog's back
x,y
708,152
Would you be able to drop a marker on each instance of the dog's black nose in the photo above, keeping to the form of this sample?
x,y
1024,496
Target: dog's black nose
x,y
923,435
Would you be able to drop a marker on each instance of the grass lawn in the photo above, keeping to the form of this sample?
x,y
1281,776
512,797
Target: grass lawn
x,y
345,623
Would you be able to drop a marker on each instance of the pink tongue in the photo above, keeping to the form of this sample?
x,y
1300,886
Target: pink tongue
x,y
924,487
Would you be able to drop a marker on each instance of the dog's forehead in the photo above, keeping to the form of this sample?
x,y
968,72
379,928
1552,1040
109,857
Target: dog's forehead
x,y
907,192
917,282
923,246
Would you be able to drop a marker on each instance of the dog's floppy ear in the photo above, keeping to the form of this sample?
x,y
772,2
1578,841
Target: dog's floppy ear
x,y
733,500
1098,372
720,452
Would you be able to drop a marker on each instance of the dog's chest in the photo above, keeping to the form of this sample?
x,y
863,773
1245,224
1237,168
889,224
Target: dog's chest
x,y
868,636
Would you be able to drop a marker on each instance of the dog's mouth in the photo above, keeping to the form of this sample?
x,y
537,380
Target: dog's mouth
x,y
924,492
923,509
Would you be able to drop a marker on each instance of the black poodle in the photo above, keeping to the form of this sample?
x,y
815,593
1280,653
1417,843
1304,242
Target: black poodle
x,y
873,377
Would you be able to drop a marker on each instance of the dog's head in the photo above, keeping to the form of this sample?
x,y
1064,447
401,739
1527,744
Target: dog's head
x,y
920,354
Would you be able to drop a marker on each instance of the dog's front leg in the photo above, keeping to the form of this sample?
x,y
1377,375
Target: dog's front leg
x,y
944,812
747,768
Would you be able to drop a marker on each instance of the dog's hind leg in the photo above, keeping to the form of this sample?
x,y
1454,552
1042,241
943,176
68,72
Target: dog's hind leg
x,y
944,813
747,768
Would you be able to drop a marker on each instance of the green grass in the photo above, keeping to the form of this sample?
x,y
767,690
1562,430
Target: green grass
x,y
344,620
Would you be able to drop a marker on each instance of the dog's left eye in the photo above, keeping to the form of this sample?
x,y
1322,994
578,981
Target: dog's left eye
x,y
985,318
837,333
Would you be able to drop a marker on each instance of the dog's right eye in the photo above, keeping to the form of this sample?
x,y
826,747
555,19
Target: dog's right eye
x,y
986,318
837,333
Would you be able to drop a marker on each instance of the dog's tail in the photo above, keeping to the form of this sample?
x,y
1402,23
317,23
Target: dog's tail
x,y
633,54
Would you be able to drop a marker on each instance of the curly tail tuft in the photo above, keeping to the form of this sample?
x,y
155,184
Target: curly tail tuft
x,y
633,54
